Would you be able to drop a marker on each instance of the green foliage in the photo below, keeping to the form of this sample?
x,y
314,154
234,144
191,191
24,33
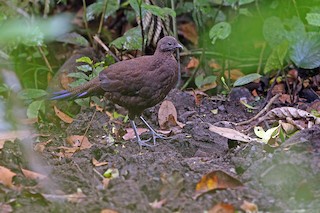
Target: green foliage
x,y
200,80
73,38
35,108
275,60
306,52
246,79
35,98
97,8
313,19
219,31
131,40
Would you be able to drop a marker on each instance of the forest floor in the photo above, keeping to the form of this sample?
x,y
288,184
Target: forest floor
x,y
163,178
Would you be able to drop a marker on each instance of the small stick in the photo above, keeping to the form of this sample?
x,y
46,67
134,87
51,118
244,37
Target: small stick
x,y
87,129
97,39
260,113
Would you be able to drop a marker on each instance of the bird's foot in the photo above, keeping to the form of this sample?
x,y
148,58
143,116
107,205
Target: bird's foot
x,y
144,143
156,135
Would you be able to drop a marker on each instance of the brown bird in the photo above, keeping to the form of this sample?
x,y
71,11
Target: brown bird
x,y
134,84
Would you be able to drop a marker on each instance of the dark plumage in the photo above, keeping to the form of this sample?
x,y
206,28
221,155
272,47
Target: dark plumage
x,y
135,84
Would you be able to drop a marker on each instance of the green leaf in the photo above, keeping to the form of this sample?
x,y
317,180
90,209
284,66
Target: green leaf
x,y
34,108
220,31
78,82
131,40
198,80
32,93
306,52
95,9
85,59
84,68
275,60
313,19
73,38
209,79
79,75
84,102
158,11
246,79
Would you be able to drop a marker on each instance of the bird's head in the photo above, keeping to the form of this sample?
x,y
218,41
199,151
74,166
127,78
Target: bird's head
x,y
168,44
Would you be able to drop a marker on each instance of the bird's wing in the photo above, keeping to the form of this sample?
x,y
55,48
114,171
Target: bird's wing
x,y
127,77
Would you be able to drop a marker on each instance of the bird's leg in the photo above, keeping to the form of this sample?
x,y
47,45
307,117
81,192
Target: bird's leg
x,y
153,132
140,142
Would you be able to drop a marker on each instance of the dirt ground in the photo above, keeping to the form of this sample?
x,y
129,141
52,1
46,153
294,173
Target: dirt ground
x,y
282,179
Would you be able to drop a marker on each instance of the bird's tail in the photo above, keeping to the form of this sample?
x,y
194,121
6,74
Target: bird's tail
x,y
88,89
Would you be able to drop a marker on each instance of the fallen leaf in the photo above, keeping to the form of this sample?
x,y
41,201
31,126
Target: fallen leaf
x,y
33,175
193,63
5,208
79,141
213,64
6,176
12,135
206,87
77,197
97,163
216,180
130,133
189,31
65,80
28,121
64,117
234,74
230,133
198,96
249,207
39,147
222,208
108,211
167,116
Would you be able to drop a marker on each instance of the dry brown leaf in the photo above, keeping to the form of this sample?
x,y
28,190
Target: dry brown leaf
x,y
234,74
167,116
97,163
108,211
39,147
76,197
6,176
64,117
222,208
193,63
33,175
28,121
216,180
189,31
206,87
65,80
5,208
98,108
213,64
230,133
249,207
198,96
130,133
79,141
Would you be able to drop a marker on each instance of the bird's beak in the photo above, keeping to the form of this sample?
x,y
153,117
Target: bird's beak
x,y
179,46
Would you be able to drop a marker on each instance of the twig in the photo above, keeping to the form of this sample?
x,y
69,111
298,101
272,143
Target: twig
x,y
102,16
86,21
45,59
87,129
266,108
97,39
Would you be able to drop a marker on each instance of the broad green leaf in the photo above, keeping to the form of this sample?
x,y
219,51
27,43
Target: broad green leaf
x,y
85,59
246,79
131,40
79,75
209,79
198,80
32,93
95,9
306,52
84,68
313,19
78,82
275,60
158,11
73,38
84,102
34,108
220,31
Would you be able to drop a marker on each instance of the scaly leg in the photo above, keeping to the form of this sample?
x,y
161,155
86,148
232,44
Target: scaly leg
x,y
155,135
140,142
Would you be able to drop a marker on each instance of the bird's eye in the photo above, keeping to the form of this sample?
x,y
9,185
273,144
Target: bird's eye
x,y
169,43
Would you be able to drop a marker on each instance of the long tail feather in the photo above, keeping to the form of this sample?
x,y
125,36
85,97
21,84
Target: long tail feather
x,y
90,88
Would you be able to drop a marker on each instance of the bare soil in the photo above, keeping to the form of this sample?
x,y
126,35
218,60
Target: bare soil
x,y
282,179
